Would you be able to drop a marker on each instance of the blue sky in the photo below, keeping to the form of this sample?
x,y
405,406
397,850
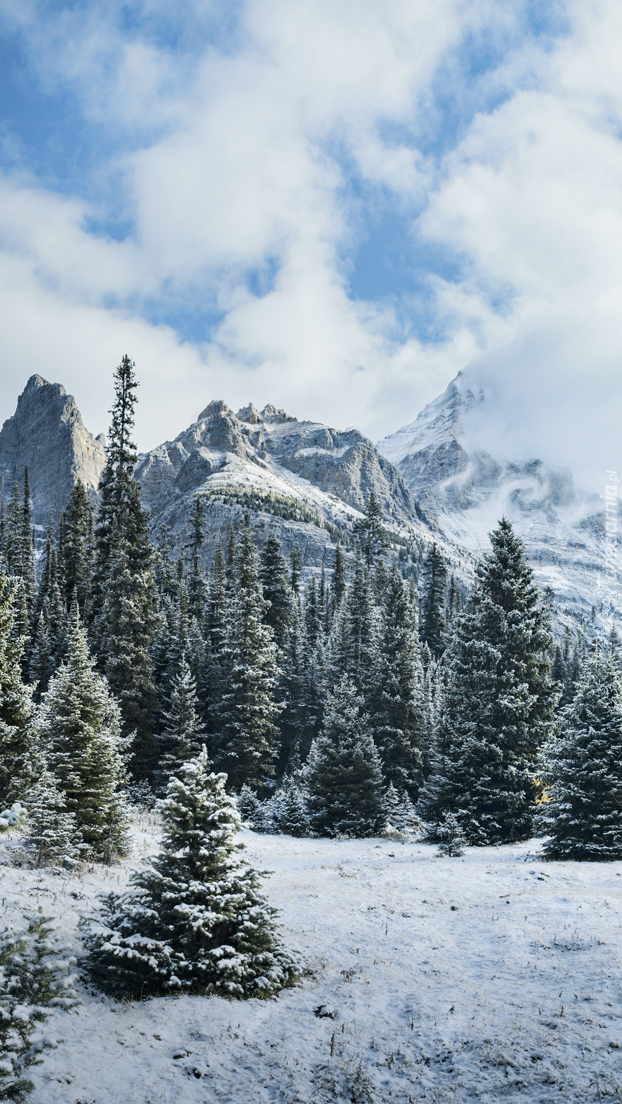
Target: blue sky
x,y
332,206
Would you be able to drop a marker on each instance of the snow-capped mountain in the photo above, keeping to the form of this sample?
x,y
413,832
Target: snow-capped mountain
x,y
464,491
304,480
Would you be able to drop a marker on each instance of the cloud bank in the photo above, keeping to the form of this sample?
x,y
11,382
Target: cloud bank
x,y
197,189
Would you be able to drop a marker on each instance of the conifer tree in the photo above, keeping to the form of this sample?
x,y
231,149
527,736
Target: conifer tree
x,y
34,980
451,838
291,694
197,584
343,776
368,531
78,725
289,808
274,579
499,702
194,921
396,699
401,815
123,605
338,581
295,572
582,776
52,831
16,759
214,633
182,734
76,554
246,744
433,623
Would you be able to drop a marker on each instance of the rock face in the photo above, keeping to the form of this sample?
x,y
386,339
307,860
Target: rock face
x,y
269,456
464,493
47,435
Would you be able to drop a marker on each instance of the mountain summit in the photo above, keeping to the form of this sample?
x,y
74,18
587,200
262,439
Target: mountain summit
x,y
47,435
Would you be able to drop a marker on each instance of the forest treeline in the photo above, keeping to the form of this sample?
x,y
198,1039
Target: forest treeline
x,y
339,706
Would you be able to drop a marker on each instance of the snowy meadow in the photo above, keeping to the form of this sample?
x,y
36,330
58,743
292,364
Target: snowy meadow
x,y
483,977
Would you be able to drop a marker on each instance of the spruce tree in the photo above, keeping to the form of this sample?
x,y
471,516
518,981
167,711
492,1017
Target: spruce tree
x,y
194,921
34,980
396,699
76,554
197,584
52,831
581,813
16,756
338,581
78,726
433,623
182,734
499,701
246,743
369,534
123,603
289,808
343,776
277,593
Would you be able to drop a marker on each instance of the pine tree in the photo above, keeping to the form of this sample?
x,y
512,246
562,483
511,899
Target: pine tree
x,y
292,694
78,725
34,980
368,532
433,623
396,699
123,604
295,572
499,702
289,808
197,584
246,744
582,777
451,838
194,921
76,554
342,776
52,831
277,593
182,735
16,757
338,581
401,815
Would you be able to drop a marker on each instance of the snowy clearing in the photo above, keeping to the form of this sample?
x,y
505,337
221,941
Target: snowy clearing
x,y
491,976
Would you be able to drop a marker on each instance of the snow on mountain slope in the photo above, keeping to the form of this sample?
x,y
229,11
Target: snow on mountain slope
x,y
491,977
328,474
465,490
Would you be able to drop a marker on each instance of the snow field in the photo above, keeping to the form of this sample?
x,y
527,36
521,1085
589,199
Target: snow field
x,y
489,977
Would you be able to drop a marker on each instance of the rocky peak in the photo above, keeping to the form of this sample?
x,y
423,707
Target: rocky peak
x,y
47,435
215,407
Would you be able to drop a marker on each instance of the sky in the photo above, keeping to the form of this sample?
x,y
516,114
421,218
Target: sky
x,y
330,205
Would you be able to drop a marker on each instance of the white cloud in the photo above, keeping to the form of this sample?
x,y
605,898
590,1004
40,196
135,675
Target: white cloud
x,y
227,158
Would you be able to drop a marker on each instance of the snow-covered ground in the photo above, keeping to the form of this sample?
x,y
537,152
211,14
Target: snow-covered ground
x,y
490,977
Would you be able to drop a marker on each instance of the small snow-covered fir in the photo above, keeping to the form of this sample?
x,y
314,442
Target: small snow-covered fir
x,y
194,920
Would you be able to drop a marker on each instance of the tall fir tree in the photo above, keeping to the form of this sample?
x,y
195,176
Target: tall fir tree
x,y
182,733
123,604
197,583
76,551
499,702
343,775
581,814
433,622
396,701
194,920
16,742
246,743
338,581
369,533
277,592
79,729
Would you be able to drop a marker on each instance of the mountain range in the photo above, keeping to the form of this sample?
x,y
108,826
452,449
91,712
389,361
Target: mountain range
x,y
308,483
